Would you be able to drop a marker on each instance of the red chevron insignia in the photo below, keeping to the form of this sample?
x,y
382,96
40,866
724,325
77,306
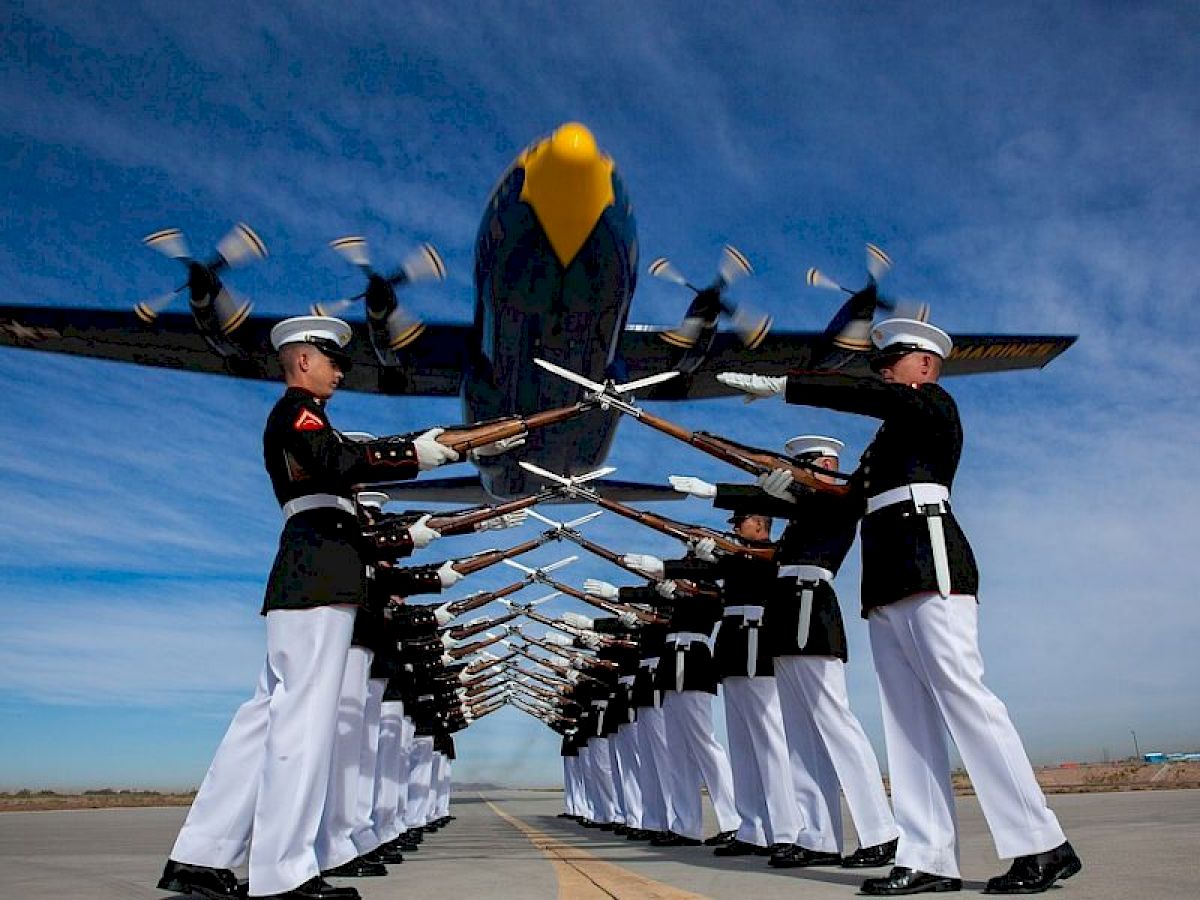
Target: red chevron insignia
x,y
308,421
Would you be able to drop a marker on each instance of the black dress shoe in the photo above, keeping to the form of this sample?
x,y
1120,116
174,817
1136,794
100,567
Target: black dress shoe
x,y
1035,873
773,849
640,834
318,889
385,854
903,880
869,857
214,884
797,857
620,828
738,848
720,839
413,836
606,826
359,867
671,839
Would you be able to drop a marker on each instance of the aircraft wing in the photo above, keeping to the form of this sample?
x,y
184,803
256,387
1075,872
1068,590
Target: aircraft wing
x,y
433,367
643,352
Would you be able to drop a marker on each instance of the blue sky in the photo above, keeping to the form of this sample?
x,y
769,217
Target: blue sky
x,y
1030,167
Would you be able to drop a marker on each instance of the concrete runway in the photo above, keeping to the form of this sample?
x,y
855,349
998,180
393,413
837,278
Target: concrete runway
x,y
510,845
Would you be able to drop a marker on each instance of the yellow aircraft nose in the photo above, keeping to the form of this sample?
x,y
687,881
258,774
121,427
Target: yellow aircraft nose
x,y
568,183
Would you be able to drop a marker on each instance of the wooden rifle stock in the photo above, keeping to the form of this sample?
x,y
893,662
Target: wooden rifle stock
x,y
606,640
460,652
754,460
474,601
462,632
682,531
464,521
647,618
687,588
479,665
464,438
485,558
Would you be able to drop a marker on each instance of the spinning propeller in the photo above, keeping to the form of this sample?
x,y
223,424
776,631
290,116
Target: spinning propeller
x,y
850,329
710,303
213,304
383,309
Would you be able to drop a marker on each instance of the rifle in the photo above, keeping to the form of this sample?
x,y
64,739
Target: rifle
x,y
605,640
681,531
647,618
460,652
464,438
389,532
484,558
470,629
593,661
487,662
483,598
557,668
754,460
567,530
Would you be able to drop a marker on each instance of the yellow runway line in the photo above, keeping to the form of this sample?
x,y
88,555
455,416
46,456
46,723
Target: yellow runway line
x,y
582,876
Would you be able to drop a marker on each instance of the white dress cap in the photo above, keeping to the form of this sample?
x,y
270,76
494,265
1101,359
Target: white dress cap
x,y
309,329
813,443
911,334
374,499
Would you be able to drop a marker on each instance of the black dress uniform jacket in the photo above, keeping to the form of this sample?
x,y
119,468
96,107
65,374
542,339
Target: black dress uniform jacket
x,y
697,614
320,560
820,532
745,581
650,646
920,441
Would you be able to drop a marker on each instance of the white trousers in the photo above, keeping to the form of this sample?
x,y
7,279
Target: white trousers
x,y
625,745
600,781
828,748
583,772
696,756
442,806
365,837
614,769
420,772
655,761
335,844
388,781
758,756
265,789
926,650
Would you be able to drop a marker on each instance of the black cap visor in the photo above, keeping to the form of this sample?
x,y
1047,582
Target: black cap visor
x,y
335,351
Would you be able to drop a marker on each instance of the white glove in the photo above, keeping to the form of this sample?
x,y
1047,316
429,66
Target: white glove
x,y
447,641
697,487
629,620
507,520
573,677
579,621
591,640
575,663
601,589
651,565
447,575
704,548
448,660
497,447
558,640
513,630
431,454
776,483
422,535
666,588
463,677
755,386
442,614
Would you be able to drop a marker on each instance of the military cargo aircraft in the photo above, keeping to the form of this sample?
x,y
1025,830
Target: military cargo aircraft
x,y
556,261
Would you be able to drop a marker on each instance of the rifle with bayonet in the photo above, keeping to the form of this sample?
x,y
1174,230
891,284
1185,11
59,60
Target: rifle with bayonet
x,y
391,530
603,639
681,531
567,530
470,629
464,438
647,618
754,460
465,565
557,668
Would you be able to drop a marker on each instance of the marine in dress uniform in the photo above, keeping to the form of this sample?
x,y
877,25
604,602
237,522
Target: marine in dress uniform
x,y
919,598
264,793
828,748
687,680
